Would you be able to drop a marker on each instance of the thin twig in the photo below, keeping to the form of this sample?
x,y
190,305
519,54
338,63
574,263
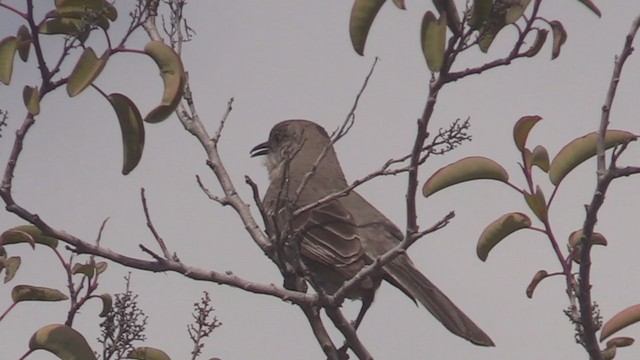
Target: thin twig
x,y
210,195
104,223
152,228
216,135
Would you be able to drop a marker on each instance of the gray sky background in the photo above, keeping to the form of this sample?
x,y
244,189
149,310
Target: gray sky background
x,y
293,59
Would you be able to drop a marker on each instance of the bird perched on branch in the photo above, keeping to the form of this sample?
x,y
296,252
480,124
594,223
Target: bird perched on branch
x,y
339,237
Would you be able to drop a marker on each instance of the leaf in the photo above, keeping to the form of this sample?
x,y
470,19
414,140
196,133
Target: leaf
x,y
581,149
29,234
608,353
132,130
621,341
537,278
537,204
31,98
7,53
399,4
575,243
575,239
432,38
147,353
541,37
363,13
21,293
68,8
448,10
591,6
522,128
502,14
101,266
621,320
63,341
540,158
87,270
81,4
479,13
87,69
173,76
559,38
498,230
107,305
516,10
66,26
470,168
23,44
11,266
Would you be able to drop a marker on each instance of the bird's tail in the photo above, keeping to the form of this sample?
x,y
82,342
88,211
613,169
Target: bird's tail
x,y
404,275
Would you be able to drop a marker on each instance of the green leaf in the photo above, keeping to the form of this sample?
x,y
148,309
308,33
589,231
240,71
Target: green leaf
x,y
71,8
107,305
29,234
541,37
581,149
539,276
470,168
516,10
31,98
559,38
591,6
11,266
66,26
24,42
608,353
539,157
399,4
362,15
498,230
101,266
147,353
87,270
480,11
36,293
502,14
87,69
522,128
575,243
7,53
432,38
173,76
621,320
537,204
63,341
447,9
132,130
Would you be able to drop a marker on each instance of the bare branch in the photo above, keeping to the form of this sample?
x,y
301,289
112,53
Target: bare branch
x,y
589,325
210,195
627,50
216,136
104,223
152,228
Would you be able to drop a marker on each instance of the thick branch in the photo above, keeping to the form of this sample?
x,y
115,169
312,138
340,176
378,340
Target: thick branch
x,y
589,325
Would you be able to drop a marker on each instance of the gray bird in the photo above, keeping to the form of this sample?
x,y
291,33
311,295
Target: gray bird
x,y
342,236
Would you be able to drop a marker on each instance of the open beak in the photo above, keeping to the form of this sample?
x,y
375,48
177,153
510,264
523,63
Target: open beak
x,y
259,150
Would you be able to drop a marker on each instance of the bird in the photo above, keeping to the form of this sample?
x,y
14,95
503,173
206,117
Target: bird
x,y
341,236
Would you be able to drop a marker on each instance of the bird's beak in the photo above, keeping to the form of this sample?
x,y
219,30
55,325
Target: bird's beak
x,y
259,150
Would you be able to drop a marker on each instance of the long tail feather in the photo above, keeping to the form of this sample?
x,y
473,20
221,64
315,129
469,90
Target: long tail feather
x,y
410,280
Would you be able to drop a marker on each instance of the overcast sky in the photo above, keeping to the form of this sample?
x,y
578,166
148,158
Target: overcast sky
x,y
293,59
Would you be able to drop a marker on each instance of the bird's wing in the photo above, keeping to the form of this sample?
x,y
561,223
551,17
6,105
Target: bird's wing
x,y
330,238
